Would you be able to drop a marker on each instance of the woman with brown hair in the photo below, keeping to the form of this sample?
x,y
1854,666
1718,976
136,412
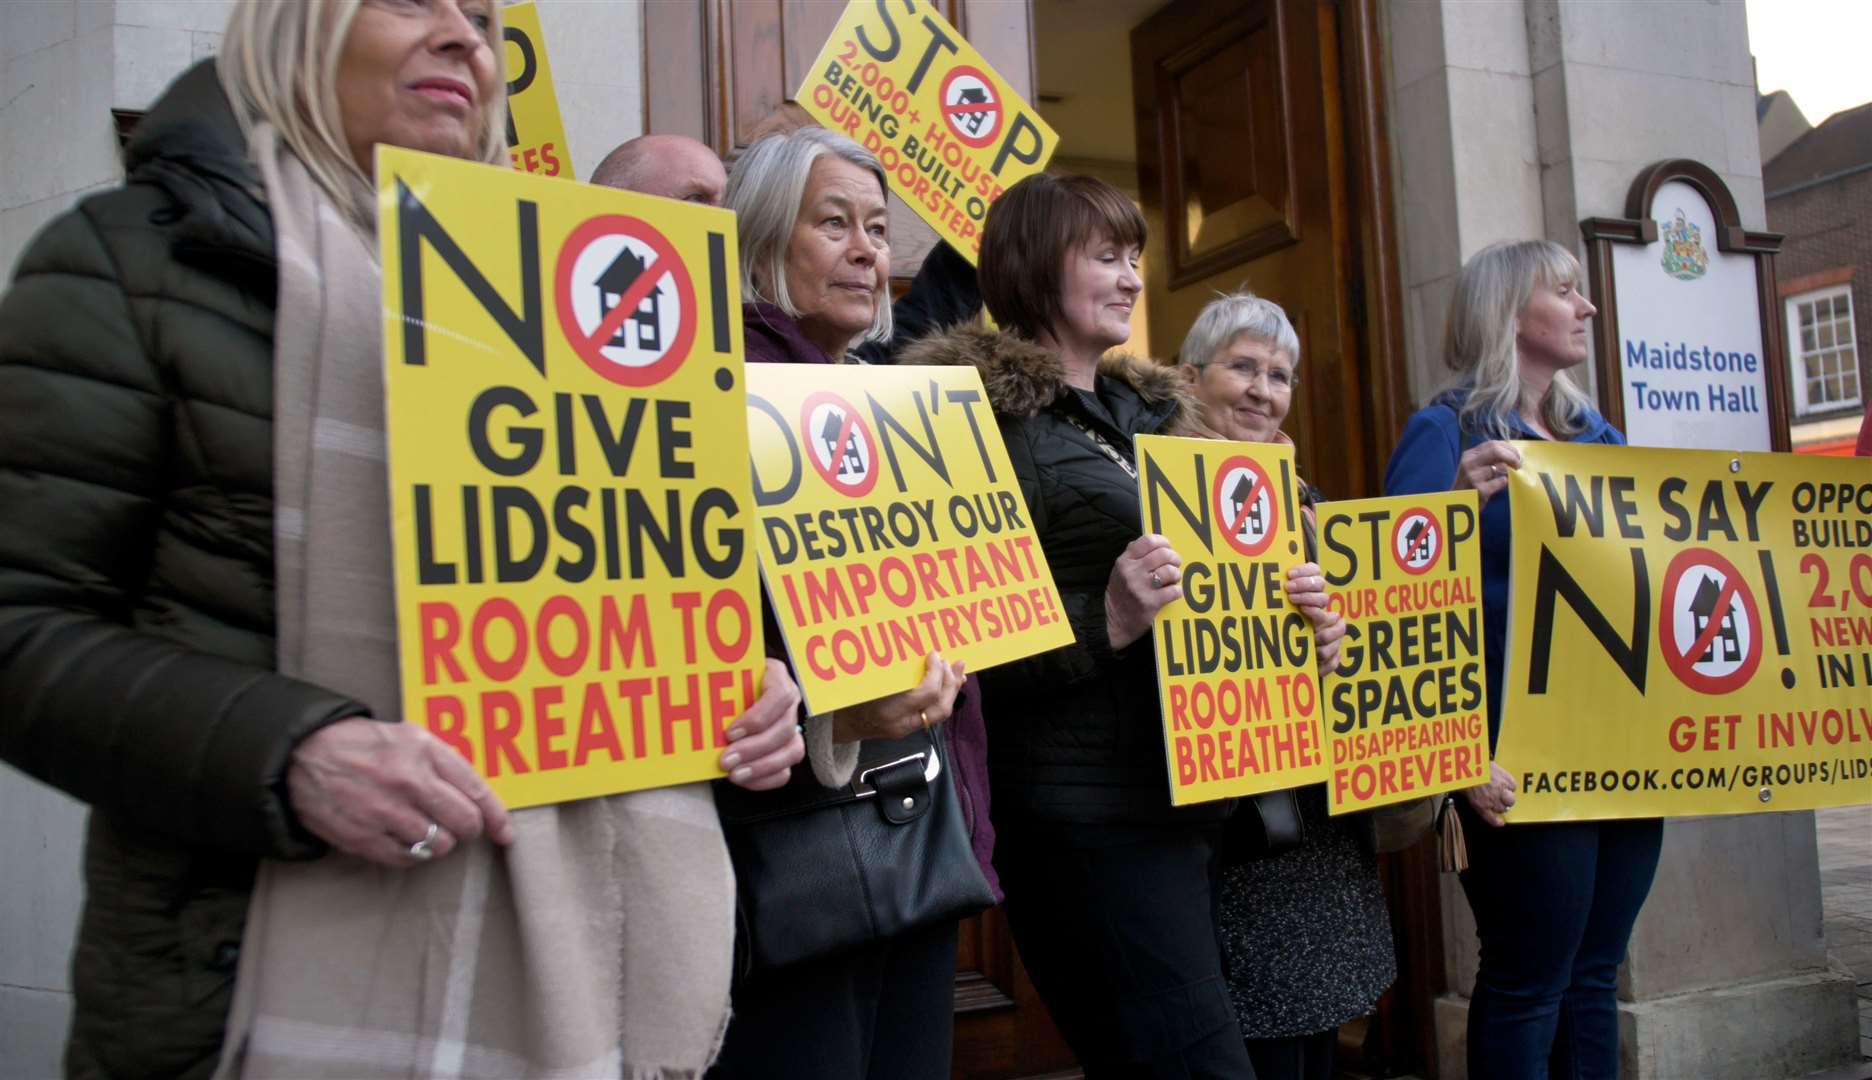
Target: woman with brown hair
x,y
1110,891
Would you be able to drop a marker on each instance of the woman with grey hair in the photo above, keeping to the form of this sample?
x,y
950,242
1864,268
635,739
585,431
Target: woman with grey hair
x,y
1554,903
196,630
815,271
1304,929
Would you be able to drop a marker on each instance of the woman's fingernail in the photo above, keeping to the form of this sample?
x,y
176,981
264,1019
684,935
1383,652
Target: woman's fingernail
x,y
731,759
742,773
735,733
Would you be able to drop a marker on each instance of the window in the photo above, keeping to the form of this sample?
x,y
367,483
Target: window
x,y
1821,350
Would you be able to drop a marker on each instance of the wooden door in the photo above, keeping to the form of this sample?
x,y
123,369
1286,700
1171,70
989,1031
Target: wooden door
x,y
1263,163
719,71
1243,154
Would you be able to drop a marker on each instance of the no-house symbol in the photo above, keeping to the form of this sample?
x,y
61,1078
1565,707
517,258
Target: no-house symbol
x,y
839,444
626,302
1247,513
971,106
1709,629
1416,540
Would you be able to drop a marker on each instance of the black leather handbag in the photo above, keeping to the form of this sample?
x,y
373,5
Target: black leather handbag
x,y
819,870
1262,826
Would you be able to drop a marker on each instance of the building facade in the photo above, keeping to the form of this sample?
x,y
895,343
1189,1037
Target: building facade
x,y
1819,196
1341,157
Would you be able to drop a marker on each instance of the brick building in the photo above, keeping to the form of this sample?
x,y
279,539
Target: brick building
x,y
1819,193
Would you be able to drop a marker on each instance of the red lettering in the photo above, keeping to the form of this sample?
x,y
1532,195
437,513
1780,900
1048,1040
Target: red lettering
x,y
1179,709
498,739
680,712
441,631
596,731
548,726
506,611
728,602
1205,758
447,721
568,663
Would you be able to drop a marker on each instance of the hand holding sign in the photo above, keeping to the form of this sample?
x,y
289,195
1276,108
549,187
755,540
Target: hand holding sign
x,y
899,715
1146,577
371,790
1306,587
764,743
1495,798
1485,466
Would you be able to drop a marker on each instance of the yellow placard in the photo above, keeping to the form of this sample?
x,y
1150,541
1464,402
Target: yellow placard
x,y
1407,711
1690,633
536,138
950,132
891,525
1235,668
577,604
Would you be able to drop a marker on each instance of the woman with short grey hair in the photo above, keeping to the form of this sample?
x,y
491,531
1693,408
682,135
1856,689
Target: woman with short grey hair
x,y
1304,928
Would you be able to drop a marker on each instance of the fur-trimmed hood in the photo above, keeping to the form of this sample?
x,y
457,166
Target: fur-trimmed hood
x,y
1023,379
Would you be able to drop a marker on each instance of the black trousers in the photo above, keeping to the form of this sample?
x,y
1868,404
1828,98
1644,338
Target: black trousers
x,y
1117,926
1295,1057
883,1012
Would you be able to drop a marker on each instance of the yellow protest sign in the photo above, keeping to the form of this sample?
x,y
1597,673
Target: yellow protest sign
x,y
576,595
1241,708
949,131
1690,633
891,525
536,138
1406,714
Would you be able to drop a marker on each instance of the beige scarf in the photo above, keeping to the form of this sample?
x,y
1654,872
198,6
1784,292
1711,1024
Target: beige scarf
x,y
599,944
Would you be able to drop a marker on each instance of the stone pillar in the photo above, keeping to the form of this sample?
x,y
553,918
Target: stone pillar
x,y
1727,974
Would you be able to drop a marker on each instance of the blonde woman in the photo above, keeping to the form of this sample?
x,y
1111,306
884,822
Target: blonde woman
x,y
196,636
1554,903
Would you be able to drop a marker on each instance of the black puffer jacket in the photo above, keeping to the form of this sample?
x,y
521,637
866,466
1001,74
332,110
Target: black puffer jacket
x,y
136,576
1075,735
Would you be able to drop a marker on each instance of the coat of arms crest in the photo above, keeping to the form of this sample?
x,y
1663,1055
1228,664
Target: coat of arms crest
x,y
1684,257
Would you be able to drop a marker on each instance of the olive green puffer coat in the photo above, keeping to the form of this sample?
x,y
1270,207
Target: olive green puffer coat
x,y
136,576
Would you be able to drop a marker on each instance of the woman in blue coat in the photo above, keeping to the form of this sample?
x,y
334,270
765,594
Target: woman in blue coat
x,y
1554,903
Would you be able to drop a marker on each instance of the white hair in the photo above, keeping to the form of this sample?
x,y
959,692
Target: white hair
x,y
1479,337
279,64
765,189
1231,315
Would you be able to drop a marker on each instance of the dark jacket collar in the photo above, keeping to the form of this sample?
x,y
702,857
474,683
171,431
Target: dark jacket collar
x,y
1023,379
774,337
190,145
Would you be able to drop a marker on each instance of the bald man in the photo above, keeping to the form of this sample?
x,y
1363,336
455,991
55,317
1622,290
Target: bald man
x,y
673,166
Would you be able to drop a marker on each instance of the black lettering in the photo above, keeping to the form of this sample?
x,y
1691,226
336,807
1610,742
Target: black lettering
x,y
762,496
931,453
526,440
1551,582
1156,483
415,224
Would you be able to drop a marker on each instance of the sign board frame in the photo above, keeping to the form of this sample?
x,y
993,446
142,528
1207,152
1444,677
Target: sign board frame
x,y
1639,227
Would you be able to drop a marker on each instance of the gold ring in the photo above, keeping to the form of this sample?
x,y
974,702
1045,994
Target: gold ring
x,y
923,715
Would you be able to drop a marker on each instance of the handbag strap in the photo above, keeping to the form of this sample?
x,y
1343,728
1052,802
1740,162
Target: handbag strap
x,y
884,763
1103,444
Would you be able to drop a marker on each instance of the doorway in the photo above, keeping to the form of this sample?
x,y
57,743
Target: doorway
x,y
1252,134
